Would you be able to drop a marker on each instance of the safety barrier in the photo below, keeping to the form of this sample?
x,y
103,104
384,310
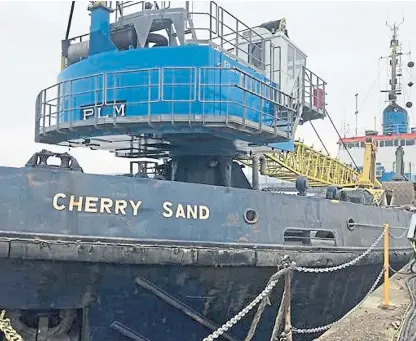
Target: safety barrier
x,y
286,269
204,96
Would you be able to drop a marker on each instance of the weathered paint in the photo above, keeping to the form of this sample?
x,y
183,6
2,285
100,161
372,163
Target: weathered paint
x,y
202,252
43,201
216,293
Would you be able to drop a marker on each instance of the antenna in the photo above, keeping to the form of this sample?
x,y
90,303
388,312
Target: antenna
x,y
394,25
395,63
356,114
395,89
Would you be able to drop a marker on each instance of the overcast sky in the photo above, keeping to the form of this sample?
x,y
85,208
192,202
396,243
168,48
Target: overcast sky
x,y
343,41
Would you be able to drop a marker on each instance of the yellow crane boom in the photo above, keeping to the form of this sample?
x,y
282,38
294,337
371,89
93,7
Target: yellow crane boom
x,y
367,178
320,169
323,170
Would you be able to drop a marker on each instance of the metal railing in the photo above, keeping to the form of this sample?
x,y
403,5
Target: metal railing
x,y
166,94
223,29
388,129
395,129
213,25
314,91
218,27
310,93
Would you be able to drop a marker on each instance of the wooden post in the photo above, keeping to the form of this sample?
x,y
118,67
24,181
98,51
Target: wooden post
x,y
386,265
288,323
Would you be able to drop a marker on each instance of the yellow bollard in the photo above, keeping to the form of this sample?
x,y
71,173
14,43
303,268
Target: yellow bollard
x,y
386,265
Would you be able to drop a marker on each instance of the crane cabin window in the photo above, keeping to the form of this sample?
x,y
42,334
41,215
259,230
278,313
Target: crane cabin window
x,y
277,52
290,61
255,54
300,62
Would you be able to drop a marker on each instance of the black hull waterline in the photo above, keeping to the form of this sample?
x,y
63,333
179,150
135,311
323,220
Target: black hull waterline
x,y
160,292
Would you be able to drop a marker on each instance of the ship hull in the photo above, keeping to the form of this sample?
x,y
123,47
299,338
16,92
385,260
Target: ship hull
x,y
177,293
161,258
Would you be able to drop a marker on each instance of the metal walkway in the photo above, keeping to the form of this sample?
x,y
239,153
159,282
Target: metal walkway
x,y
320,169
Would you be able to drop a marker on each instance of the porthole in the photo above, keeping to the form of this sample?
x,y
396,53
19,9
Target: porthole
x,y
251,216
351,224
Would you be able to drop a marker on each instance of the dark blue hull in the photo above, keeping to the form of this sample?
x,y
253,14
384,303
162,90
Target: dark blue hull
x,y
176,302
65,247
114,258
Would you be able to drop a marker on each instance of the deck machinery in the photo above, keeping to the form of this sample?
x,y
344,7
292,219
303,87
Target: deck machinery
x,y
155,84
88,257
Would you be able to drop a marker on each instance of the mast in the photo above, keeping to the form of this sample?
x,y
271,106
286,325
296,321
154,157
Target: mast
x,y
356,114
394,45
395,117
395,64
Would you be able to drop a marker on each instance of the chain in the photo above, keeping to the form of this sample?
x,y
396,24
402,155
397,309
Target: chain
x,y
242,313
342,266
226,326
329,325
380,226
6,328
376,282
366,225
398,238
273,283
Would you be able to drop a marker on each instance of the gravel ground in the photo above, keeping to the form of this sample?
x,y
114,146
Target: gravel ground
x,y
370,322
